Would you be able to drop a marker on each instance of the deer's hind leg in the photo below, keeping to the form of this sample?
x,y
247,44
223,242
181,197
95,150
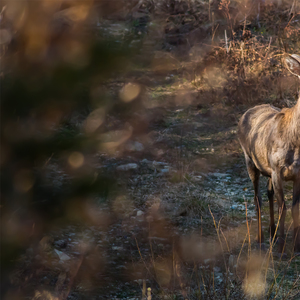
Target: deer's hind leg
x,y
270,192
254,174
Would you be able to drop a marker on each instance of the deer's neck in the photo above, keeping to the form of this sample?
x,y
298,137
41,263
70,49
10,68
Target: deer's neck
x,y
296,122
297,109
290,125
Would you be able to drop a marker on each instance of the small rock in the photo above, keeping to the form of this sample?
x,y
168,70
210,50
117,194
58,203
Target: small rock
x,y
139,213
62,256
119,267
238,206
116,248
219,174
131,166
146,161
197,178
217,269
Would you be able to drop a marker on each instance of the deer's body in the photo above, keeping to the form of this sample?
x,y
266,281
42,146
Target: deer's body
x,y
270,139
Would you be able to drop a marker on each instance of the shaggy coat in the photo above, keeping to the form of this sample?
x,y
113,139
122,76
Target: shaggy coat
x,y
270,139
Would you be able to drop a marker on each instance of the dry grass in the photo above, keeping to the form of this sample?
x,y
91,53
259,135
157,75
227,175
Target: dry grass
x,y
171,234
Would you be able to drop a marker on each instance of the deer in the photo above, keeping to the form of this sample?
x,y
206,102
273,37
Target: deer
x,y
270,140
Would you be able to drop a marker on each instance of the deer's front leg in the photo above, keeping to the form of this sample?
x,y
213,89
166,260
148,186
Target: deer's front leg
x,y
254,174
295,213
278,190
271,204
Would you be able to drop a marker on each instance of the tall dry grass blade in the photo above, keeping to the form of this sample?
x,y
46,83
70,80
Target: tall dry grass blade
x,y
248,229
226,42
144,289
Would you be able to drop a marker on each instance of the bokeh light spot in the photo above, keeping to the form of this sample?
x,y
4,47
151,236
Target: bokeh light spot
x,y
76,159
129,92
94,120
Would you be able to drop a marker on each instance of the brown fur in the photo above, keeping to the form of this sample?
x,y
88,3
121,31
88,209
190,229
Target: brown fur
x,y
270,139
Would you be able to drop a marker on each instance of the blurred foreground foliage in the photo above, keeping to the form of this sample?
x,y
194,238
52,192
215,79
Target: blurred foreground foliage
x,y
52,72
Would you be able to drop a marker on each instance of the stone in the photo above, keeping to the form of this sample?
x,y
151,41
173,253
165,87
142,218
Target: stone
x,y
139,213
116,248
219,174
146,161
62,256
127,167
